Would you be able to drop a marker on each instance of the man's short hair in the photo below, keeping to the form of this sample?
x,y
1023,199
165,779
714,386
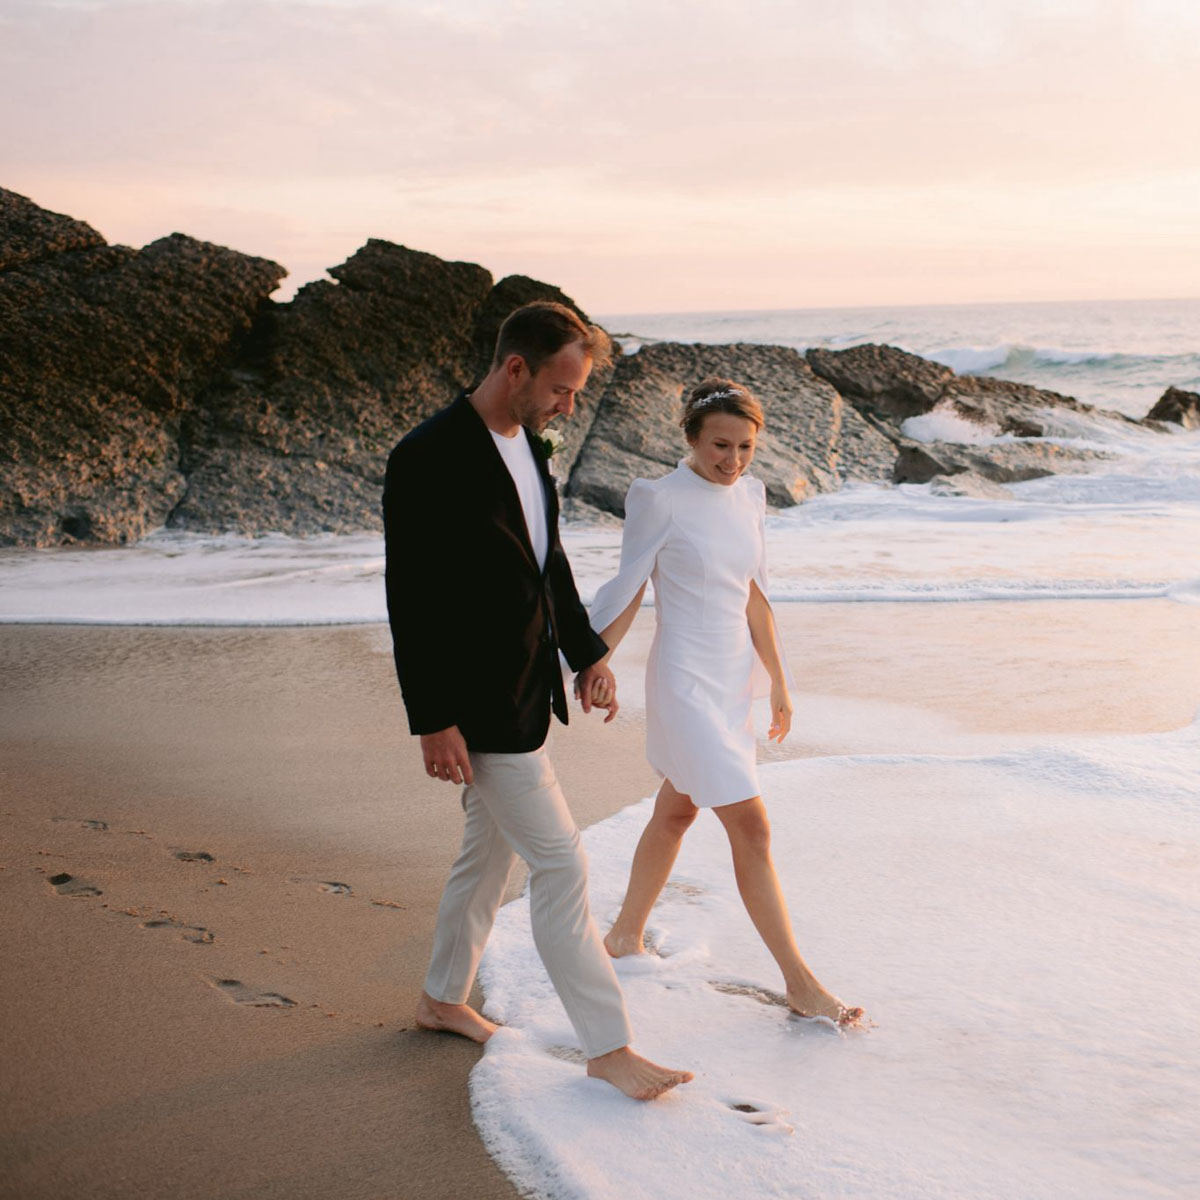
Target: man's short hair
x,y
540,330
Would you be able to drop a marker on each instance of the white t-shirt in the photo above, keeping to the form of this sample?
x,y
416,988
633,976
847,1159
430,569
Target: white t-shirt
x,y
518,458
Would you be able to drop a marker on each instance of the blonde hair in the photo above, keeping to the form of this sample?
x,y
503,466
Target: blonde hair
x,y
714,395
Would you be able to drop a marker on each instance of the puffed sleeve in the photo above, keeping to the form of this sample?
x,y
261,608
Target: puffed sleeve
x,y
647,523
761,680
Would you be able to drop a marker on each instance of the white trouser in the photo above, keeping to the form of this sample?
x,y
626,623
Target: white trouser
x,y
515,806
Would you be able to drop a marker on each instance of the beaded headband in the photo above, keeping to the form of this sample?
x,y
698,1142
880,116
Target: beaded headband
x,y
713,397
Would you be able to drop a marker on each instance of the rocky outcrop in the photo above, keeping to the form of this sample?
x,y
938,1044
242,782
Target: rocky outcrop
x,y
892,385
102,349
813,441
889,386
1178,407
968,484
162,386
1006,462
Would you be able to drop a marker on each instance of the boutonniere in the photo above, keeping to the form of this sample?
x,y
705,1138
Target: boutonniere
x,y
549,443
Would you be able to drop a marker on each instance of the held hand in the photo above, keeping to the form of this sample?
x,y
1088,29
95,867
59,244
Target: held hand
x,y
781,713
445,754
597,686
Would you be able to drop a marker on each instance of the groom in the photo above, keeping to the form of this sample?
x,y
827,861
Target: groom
x,y
481,600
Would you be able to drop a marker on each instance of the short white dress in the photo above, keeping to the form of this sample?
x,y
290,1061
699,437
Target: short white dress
x,y
700,543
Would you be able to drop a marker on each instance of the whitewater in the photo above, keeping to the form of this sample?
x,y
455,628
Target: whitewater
x,y
1127,529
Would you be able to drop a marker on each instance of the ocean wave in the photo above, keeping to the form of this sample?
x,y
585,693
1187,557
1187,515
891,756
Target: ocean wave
x,y
943,424
1016,356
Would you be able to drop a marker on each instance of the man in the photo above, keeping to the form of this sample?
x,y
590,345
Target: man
x,y
480,600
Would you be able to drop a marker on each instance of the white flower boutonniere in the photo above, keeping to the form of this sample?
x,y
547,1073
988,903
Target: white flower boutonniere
x,y
550,443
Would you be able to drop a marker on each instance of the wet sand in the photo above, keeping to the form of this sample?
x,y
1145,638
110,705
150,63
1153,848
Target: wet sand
x,y
239,1026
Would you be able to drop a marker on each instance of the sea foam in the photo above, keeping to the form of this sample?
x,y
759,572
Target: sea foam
x,y
1020,926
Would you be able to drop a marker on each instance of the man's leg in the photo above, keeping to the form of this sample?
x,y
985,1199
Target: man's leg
x,y
525,800
465,916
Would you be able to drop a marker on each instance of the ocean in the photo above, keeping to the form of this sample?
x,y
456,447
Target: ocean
x,y
1118,354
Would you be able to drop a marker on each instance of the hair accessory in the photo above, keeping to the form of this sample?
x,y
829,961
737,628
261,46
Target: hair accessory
x,y
713,397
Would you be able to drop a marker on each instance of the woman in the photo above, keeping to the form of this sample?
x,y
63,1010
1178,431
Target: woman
x,y
698,533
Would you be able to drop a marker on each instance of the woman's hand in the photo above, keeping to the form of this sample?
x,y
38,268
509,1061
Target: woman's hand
x,y
781,713
596,687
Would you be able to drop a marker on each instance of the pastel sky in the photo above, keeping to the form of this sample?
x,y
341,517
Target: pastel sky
x,y
711,154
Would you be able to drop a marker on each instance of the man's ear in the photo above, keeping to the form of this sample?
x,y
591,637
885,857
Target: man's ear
x,y
515,368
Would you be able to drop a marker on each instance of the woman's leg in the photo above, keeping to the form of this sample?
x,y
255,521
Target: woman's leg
x,y
652,862
750,840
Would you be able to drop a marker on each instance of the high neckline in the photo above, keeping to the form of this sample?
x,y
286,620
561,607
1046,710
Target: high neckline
x,y
706,483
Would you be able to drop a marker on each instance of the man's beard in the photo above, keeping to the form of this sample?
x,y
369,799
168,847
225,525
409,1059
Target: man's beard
x,y
530,416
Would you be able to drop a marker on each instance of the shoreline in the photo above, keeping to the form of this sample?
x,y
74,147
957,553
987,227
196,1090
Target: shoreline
x,y
284,753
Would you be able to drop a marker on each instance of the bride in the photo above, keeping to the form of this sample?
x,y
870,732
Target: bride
x,y
698,533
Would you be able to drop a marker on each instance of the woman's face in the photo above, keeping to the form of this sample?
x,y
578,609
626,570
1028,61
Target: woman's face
x,y
723,448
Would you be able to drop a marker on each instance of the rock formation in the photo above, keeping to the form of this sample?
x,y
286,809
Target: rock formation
x,y
814,441
163,386
102,351
1178,407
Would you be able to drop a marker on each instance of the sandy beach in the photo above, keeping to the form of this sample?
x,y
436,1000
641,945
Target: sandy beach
x,y
217,1001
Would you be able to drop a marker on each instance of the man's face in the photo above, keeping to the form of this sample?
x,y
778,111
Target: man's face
x,y
551,392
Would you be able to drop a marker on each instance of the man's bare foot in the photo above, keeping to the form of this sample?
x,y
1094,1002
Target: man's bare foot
x,y
453,1018
634,1075
619,945
815,1001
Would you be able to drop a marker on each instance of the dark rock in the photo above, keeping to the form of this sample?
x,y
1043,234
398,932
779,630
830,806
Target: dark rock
x,y
29,233
967,483
1006,462
1178,407
294,436
888,382
101,349
813,441
163,386
892,385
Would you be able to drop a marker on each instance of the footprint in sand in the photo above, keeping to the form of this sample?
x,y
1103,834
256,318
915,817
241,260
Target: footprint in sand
x,y
683,889
189,933
68,885
200,856
239,993
775,1000
750,991
567,1054
768,1117
89,823
331,886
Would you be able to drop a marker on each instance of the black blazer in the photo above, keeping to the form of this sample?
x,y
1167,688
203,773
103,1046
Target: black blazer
x,y
476,627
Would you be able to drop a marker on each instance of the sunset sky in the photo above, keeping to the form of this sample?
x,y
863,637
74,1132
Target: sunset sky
x,y
643,156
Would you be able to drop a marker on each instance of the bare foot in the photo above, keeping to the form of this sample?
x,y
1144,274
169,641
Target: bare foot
x,y
634,1075
619,945
453,1018
815,1001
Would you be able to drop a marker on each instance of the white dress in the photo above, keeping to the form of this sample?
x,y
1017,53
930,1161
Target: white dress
x,y
701,543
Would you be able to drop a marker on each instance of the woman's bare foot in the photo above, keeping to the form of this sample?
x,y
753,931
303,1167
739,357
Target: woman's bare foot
x,y
619,945
634,1075
815,1001
453,1018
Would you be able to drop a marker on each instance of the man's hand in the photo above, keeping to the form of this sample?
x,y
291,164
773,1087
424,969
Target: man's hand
x,y
596,685
446,758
